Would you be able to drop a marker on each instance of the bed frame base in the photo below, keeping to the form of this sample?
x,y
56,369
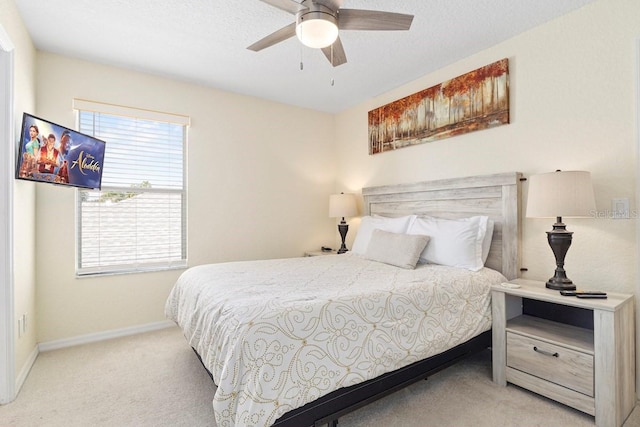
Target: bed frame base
x,y
328,409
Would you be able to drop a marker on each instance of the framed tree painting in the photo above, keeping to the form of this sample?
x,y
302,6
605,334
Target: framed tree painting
x,y
473,101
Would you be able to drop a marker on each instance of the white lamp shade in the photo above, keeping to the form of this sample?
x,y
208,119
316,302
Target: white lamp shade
x,y
342,205
317,33
561,194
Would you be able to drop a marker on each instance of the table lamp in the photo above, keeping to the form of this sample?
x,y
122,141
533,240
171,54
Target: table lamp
x,y
560,194
342,205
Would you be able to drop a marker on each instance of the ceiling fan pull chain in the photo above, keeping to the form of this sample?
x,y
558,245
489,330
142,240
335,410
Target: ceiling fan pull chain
x,y
301,63
332,81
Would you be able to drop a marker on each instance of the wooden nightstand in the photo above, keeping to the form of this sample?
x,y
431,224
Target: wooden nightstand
x,y
319,253
580,352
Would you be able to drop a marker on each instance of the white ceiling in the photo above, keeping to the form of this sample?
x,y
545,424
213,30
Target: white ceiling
x,y
204,41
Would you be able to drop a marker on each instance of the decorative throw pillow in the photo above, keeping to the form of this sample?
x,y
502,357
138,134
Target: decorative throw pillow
x,y
370,223
456,243
401,250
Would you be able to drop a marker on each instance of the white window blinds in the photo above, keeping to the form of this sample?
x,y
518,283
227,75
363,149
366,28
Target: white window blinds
x,y
137,222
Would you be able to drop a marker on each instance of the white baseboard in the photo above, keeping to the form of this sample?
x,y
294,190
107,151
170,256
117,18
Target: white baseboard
x,y
102,336
26,368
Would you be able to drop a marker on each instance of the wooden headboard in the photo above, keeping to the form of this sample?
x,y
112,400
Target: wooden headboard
x,y
496,196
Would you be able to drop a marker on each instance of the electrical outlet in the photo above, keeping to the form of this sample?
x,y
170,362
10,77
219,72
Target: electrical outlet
x,y
22,325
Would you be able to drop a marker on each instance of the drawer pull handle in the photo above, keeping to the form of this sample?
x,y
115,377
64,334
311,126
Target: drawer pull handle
x,y
546,353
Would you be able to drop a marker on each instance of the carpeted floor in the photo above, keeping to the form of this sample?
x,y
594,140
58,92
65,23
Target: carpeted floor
x,y
154,379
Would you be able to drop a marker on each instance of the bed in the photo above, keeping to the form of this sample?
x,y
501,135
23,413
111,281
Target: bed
x,y
302,341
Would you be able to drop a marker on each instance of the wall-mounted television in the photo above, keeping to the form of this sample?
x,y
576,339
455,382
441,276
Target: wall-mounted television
x,y
55,154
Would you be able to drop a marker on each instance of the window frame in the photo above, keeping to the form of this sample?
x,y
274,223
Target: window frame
x,y
132,266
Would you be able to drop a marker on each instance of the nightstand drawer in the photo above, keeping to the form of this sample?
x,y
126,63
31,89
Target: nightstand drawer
x,y
554,363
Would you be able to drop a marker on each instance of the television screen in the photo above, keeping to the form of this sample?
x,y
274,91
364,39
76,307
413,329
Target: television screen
x,y
59,155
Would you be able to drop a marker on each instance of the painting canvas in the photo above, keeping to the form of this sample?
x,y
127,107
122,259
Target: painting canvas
x,y
474,101
55,154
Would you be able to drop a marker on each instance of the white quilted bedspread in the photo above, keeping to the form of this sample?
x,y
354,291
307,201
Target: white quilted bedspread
x,y
278,334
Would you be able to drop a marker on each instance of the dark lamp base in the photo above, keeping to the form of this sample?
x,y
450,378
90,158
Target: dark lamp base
x,y
560,241
343,227
560,284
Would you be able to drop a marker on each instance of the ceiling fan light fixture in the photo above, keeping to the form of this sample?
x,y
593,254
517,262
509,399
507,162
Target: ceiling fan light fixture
x,y
317,29
316,25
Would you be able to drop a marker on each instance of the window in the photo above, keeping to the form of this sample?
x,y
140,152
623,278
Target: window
x,y
137,222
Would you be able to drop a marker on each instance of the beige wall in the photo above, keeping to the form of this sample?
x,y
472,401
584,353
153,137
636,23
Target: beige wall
x,y
259,179
24,193
573,107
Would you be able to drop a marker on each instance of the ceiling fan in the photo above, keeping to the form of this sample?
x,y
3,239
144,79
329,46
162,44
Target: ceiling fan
x,y
318,21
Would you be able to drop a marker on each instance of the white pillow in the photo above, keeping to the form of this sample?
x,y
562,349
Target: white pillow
x,y
400,250
456,243
486,242
370,223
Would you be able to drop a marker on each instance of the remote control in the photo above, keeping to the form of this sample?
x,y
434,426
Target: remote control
x,y
600,295
583,293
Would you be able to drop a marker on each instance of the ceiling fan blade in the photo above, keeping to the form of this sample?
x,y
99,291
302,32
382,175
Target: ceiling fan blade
x,y
338,56
273,38
290,6
357,19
